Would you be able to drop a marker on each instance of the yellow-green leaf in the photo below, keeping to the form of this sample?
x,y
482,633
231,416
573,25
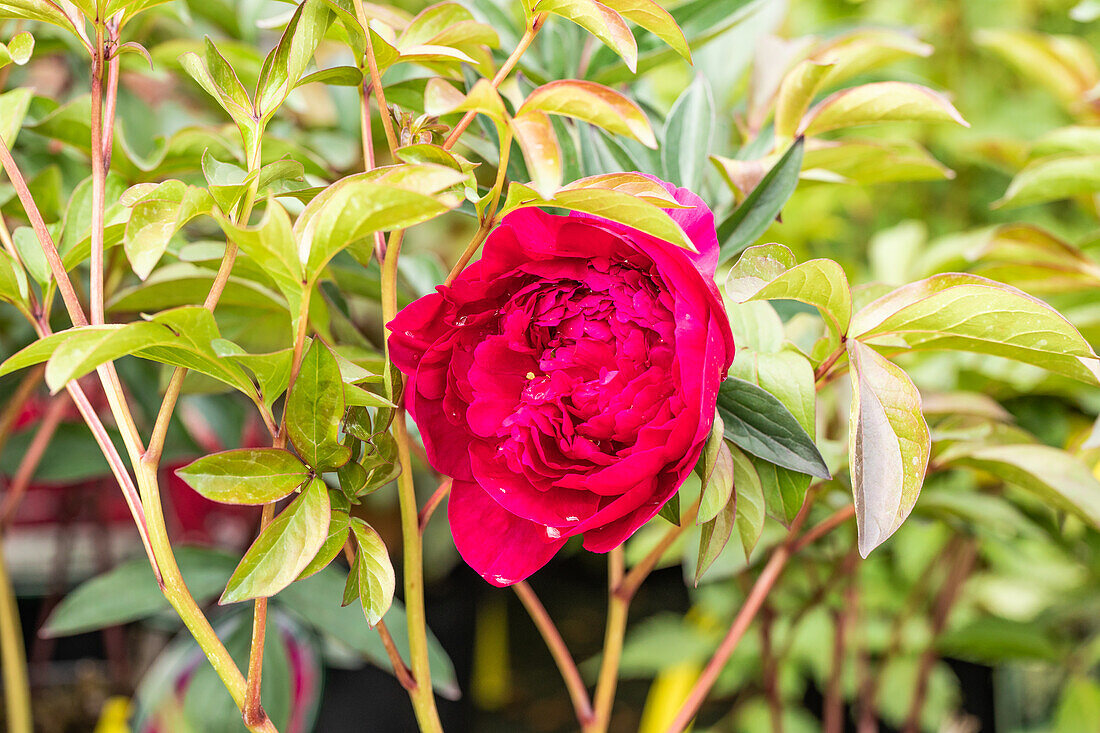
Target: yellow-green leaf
x,y
592,103
284,549
870,104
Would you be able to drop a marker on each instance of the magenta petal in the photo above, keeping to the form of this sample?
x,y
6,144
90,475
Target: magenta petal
x,y
500,546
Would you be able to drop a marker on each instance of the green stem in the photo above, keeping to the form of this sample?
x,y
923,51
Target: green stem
x,y
423,698
13,656
175,590
612,645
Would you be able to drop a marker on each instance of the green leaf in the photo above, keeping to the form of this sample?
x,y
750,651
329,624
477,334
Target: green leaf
x,y
314,409
1058,478
272,371
871,104
1078,706
752,218
760,424
338,528
765,272
688,135
789,376
246,475
156,218
969,313
870,162
270,244
656,20
1052,179
351,585
287,62
441,98
796,92
610,204
535,134
599,20
995,641
889,445
716,474
713,536
129,592
20,48
284,549
670,512
1033,260
13,281
377,581
749,501
13,109
1062,64
40,10
352,209
592,103
218,79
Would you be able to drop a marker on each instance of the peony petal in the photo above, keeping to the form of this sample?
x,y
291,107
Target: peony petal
x,y
501,547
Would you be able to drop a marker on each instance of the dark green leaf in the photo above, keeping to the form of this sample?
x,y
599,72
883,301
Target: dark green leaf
x,y
745,225
760,424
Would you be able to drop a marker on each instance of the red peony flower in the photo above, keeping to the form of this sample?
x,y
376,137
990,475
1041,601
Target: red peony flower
x,y
566,381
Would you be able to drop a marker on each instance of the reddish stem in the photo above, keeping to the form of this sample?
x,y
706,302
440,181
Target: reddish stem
x,y
945,601
433,503
578,693
834,699
764,583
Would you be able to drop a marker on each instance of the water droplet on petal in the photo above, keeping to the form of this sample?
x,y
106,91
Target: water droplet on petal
x,y
572,519
553,533
502,580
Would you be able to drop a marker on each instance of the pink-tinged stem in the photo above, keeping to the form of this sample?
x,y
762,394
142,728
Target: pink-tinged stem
x,y
578,693
759,592
510,63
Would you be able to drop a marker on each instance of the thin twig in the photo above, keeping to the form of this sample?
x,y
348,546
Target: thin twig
x,y
945,601
641,570
18,400
53,259
768,577
400,669
376,80
839,517
99,181
826,365
578,693
253,712
502,74
834,699
13,657
433,503
769,662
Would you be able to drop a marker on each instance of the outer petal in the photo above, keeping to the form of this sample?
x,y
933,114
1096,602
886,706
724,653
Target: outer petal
x,y
698,223
500,546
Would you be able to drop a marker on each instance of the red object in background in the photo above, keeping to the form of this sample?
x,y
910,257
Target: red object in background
x,y
191,518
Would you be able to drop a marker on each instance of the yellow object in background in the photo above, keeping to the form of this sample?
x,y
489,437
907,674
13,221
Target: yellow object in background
x,y
491,684
115,716
667,693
